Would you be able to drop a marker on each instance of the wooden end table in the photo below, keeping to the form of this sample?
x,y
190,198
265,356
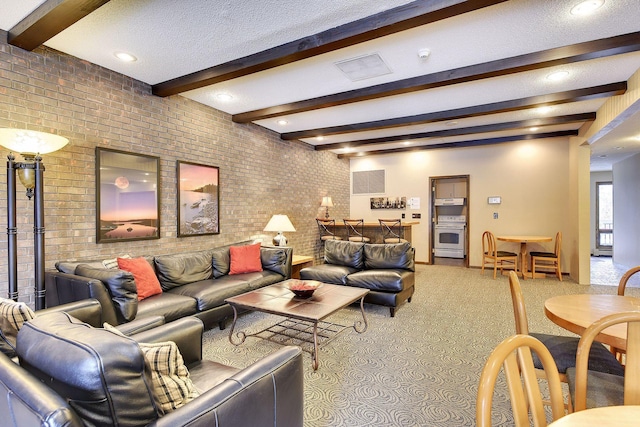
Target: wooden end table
x,y
304,316
298,262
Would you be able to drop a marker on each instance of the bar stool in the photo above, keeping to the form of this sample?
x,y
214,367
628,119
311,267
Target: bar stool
x,y
391,230
327,228
355,230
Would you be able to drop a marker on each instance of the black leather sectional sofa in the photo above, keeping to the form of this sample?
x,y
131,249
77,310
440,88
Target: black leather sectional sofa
x,y
193,283
387,270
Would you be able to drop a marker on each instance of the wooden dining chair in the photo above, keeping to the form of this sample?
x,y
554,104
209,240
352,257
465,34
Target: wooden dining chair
x,y
327,229
591,389
563,349
514,355
493,257
622,286
548,260
391,230
355,230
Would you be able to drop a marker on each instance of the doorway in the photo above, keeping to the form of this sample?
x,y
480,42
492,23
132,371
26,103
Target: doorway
x,y
449,232
604,218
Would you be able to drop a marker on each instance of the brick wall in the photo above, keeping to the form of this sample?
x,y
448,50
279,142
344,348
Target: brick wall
x,y
260,174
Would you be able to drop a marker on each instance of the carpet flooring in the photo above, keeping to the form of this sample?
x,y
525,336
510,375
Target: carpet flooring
x,y
420,368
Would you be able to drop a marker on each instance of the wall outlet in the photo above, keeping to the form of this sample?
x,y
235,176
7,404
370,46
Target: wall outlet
x,y
402,216
416,216
495,215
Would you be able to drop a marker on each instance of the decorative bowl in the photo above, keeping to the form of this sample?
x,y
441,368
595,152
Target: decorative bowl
x,y
303,288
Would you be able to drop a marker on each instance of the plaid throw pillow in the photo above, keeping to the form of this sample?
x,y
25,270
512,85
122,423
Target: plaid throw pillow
x,y
12,316
113,262
172,385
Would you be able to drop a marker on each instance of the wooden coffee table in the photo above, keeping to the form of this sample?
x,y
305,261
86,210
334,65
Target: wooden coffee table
x,y
304,317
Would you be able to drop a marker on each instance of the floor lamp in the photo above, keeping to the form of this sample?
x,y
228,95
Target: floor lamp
x,y
30,144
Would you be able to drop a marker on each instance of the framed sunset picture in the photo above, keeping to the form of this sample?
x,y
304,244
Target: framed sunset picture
x,y
127,196
198,199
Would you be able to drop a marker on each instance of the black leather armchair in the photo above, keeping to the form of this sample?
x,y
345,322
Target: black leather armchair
x,y
53,387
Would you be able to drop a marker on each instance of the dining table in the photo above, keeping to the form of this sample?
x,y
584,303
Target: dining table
x,y
619,416
523,240
577,312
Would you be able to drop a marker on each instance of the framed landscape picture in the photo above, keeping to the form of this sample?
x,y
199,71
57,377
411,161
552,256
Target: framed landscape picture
x,y
198,199
127,196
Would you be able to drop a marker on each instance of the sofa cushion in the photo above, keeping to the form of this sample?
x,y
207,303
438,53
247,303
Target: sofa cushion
x,y
212,293
274,259
105,387
170,306
12,316
348,254
147,283
327,273
245,259
69,267
122,288
389,255
389,280
180,269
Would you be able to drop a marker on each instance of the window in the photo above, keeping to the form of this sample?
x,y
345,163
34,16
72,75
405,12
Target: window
x,y
604,215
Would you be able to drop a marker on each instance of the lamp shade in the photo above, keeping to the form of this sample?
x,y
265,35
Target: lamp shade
x,y
279,223
327,202
31,141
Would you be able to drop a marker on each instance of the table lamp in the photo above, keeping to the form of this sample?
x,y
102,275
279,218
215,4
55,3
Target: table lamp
x,y
279,223
326,203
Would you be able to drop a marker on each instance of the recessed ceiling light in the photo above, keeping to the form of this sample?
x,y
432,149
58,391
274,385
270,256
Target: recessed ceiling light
x,y
424,53
534,128
558,75
282,122
224,97
407,143
586,7
125,57
451,123
320,138
544,109
347,149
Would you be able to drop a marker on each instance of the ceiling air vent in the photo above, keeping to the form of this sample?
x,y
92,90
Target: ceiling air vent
x,y
363,67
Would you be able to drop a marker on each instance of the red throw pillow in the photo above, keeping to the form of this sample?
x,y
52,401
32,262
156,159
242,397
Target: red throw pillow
x,y
245,259
147,283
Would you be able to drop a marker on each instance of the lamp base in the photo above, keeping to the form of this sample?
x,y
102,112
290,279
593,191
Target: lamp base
x,y
280,240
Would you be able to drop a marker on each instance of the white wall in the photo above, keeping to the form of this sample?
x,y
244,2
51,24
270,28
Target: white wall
x,y
596,177
626,201
532,177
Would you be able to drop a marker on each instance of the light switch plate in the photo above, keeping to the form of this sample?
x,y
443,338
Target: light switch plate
x,y
494,200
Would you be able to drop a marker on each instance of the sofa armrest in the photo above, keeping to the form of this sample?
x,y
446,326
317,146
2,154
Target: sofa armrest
x,y
87,310
272,388
277,259
137,326
186,333
63,288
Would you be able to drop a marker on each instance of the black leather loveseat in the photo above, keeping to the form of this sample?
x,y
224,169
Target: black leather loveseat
x,y
71,374
193,283
387,270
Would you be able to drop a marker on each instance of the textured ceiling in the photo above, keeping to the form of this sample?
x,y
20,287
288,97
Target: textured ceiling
x,y
175,38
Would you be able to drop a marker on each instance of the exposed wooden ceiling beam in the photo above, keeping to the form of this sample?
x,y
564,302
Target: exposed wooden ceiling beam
x,y
392,21
531,61
49,19
494,127
462,144
473,111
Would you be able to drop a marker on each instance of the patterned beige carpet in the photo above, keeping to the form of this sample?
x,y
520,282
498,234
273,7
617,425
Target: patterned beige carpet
x,y
420,368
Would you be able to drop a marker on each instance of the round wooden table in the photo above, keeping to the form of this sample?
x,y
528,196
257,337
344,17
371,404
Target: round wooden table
x,y
523,240
619,416
577,312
